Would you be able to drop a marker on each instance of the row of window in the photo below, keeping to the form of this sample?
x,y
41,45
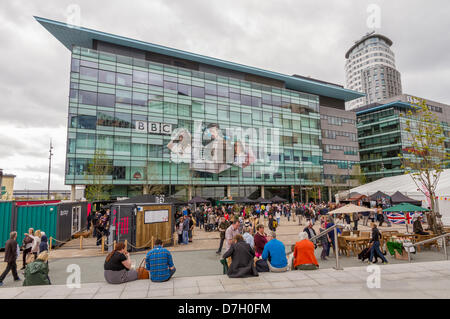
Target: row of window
x,y
348,150
335,120
158,171
340,164
333,134
128,120
93,59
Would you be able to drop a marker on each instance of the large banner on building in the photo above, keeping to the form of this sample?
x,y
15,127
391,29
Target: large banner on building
x,y
214,150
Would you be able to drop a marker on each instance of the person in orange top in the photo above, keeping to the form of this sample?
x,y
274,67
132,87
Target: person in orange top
x,y
304,258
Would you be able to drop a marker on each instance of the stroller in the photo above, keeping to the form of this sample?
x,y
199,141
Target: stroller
x,y
209,227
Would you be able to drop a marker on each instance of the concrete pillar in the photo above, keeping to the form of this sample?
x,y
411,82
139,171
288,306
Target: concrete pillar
x,y
228,191
306,196
145,189
189,192
73,192
262,191
329,194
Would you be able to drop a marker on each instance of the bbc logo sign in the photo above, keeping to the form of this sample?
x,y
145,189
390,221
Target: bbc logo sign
x,y
153,127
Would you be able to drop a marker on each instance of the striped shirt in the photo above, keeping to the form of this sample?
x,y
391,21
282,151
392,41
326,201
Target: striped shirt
x,y
158,261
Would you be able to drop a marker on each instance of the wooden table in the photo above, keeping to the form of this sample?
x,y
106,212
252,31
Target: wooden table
x,y
357,244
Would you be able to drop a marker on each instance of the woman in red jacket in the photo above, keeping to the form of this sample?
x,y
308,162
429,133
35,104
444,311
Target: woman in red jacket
x,y
260,240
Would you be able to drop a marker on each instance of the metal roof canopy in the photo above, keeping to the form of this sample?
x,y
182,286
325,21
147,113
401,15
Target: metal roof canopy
x,y
399,104
70,35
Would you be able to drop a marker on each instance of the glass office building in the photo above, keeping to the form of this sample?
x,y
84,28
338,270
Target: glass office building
x,y
382,135
193,125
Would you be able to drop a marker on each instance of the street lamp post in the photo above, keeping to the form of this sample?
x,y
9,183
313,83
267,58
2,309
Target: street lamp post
x,y
49,168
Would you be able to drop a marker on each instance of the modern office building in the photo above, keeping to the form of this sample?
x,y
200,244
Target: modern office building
x,y
183,124
382,135
340,149
370,68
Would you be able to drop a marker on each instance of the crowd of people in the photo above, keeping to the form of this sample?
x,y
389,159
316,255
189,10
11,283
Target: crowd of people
x,y
34,258
248,248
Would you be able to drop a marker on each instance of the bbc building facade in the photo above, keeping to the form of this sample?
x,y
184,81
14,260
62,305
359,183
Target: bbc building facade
x,y
190,124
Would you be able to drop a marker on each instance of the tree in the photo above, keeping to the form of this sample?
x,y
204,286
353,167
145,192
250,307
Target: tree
x,y
425,157
99,168
152,183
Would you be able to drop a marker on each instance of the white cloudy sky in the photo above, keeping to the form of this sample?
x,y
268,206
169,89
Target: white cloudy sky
x,y
306,37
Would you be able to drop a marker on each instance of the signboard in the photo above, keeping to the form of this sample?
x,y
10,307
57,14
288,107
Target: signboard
x,y
156,216
153,127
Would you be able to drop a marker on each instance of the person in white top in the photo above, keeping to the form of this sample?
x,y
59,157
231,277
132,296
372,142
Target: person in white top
x,y
36,243
27,245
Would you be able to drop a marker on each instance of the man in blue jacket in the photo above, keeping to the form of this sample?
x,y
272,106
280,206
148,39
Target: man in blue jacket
x,y
275,254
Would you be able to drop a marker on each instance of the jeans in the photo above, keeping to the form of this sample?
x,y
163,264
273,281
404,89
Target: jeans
x,y
24,255
221,244
185,237
376,249
11,266
325,249
365,220
278,220
356,225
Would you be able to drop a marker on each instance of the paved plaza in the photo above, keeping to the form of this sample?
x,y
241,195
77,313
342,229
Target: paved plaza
x,y
428,280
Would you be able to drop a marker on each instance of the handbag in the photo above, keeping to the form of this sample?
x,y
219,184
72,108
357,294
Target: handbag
x,y
142,272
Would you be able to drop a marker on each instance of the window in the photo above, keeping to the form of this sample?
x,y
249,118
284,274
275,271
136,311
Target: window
x,y
235,96
222,91
123,97
198,92
85,141
106,100
105,142
184,89
155,79
123,79
246,100
139,99
123,120
87,122
88,74
86,97
140,76
256,101
170,85
210,89
106,77
75,65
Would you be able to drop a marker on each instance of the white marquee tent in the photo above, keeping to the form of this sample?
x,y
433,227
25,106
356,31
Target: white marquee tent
x,y
405,185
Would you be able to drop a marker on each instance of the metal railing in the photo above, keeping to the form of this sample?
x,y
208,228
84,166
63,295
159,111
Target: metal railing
x,y
336,243
444,244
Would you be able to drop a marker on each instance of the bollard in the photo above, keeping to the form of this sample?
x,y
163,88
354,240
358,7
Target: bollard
x,y
126,244
103,244
50,247
336,247
81,242
445,247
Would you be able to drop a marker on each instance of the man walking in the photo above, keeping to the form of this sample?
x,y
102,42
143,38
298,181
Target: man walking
x,y
11,255
186,230
223,225
375,249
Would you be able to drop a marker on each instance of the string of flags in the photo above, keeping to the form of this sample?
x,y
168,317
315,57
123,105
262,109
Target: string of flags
x,y
442,198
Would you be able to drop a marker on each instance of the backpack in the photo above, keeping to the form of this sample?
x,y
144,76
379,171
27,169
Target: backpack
x,y
262,266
